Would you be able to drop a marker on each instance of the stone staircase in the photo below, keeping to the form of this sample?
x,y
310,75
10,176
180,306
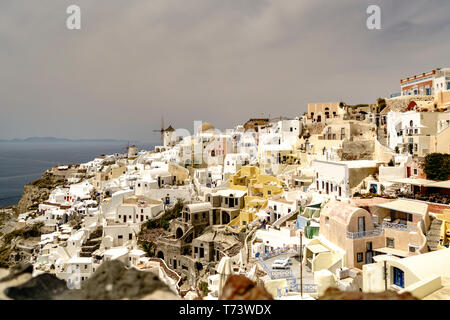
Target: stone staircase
x,y
434,234
287,217
92,243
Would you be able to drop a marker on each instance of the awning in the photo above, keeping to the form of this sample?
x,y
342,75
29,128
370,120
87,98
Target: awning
x,y
384,257
317,248
440,184
407,206
303,179
394,252
415,182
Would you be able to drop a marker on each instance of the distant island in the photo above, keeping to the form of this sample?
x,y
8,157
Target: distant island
x,y
64,140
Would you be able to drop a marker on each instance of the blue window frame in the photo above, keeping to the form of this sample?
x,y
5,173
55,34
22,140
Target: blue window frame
x,y
399,277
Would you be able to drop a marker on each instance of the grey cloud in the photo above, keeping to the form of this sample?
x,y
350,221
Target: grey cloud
x,y
213,60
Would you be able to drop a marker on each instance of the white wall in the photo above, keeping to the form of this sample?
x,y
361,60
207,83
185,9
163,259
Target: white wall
x,y
333,173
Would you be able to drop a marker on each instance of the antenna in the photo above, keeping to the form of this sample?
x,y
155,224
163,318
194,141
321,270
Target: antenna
x,y
128,148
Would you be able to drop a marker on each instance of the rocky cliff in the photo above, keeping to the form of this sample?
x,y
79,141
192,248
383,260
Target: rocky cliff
x,y
38,191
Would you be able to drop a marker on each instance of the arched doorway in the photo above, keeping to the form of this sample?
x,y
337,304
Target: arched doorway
x,y
225,218
179,233
160,255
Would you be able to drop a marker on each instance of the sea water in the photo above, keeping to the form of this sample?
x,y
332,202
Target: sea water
x,y
22,163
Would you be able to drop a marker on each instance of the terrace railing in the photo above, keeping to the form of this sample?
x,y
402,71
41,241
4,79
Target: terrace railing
x,y
364,234
399,226
379,231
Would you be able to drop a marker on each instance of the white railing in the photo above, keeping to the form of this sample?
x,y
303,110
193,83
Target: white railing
x,y
364,234
281,274
275,274
307,288
398,226
279,251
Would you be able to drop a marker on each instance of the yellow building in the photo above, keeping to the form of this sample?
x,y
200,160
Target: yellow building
x,y
445,229
108,173
259,187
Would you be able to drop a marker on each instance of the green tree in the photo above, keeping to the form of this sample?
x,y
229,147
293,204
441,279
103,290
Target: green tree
x,y
437,166
381,104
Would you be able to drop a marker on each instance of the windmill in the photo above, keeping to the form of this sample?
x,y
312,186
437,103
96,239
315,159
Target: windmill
x,y
161,130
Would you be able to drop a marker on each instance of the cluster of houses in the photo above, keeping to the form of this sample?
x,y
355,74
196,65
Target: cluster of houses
x,y
339,192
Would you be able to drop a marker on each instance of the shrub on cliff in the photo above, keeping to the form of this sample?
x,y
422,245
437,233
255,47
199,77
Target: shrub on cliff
x,y
25,233
168,215
437,166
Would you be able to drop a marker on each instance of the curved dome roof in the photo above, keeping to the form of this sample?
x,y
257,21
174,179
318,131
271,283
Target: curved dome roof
x,y
206,126
340,211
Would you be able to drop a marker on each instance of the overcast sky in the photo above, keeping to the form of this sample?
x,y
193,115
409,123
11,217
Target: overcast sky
x,y
221,61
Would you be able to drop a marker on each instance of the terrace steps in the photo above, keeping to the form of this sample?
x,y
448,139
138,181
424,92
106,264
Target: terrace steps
x,y
434,234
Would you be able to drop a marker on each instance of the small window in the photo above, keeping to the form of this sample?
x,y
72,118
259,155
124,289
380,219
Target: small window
x,y
130,236
369,246
412,249
390,242
120,236
359,257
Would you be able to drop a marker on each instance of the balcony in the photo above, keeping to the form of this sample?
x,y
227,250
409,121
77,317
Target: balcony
x,y
399,226
364,234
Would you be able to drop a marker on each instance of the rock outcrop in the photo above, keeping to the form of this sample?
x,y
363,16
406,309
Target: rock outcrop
x,y
113,281
336,294
43,287
239,287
